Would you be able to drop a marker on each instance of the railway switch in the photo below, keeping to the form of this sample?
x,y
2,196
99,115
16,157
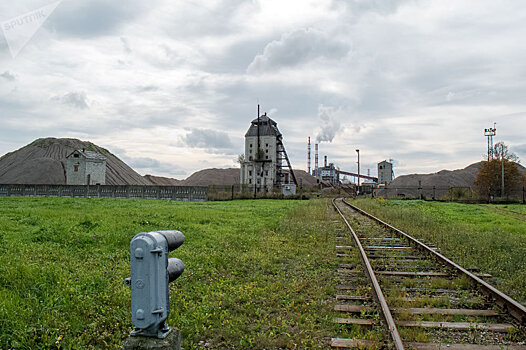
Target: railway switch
x,y
151,273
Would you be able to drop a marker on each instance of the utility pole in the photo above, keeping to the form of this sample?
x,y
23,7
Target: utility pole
x,y
502,166
358,151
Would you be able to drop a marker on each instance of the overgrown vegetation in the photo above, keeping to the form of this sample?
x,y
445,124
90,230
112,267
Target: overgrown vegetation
x,y
490,237
258,273
502,163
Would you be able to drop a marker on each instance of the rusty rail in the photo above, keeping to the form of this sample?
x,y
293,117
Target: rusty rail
x,y
514,308
377,291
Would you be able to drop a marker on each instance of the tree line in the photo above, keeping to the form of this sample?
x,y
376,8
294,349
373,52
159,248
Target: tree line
x,y
500,175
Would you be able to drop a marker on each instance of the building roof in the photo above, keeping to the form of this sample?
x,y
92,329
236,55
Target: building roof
x,y
267,127
89,155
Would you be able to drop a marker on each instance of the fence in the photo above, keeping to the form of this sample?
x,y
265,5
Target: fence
x,y
182,193
466,194
230,192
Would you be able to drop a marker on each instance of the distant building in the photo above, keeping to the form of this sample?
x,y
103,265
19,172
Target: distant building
x,y
328,173
385,172
288,189
368,187
85,168
264,152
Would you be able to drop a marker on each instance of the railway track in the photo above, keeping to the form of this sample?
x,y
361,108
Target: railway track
x,y
398,292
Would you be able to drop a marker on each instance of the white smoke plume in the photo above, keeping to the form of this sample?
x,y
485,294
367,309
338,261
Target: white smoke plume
x,y
329,125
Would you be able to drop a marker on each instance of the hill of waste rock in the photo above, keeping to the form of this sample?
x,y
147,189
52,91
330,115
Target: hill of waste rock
x,y
41,162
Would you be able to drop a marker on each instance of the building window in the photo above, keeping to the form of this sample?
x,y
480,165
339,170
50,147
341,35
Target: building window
x,y
249,181
250,173
266,145
266,157
266,172
76,155
75,168
266,150
250,158
250,145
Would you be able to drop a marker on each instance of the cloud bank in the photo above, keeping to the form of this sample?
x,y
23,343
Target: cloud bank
x,y
176,83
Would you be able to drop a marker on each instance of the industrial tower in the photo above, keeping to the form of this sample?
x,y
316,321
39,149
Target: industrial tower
x,y
262,166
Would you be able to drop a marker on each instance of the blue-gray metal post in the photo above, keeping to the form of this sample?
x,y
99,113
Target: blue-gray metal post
x,y
151,272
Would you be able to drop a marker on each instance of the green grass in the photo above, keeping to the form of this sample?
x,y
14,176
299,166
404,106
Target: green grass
x,y
259,274
490,237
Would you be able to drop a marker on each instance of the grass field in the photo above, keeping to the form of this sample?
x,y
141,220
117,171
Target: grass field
x,y
258,273
490,237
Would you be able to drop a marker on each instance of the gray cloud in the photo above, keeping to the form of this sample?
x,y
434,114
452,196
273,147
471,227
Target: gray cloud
x,y
298,47
188,71
74,99
193,19
8,75
361,7
520,150
147,88
126,45
92,18
207,138
143,162
153,166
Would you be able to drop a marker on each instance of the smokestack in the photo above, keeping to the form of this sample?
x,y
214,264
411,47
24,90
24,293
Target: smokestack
x,y
308,157
325,161
316,158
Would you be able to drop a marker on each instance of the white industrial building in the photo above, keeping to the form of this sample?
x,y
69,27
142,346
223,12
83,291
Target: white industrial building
x,y
385,172
264,152
85,168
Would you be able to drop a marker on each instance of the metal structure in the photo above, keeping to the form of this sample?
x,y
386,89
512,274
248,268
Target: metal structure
x,y
489,133
502,168
516,309
315,160
151,272
262,167
358,151
308,157
386,242
372,178
328,173
377,290
282,156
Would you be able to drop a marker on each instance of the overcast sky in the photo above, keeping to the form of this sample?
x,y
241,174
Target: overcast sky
x,y
171,86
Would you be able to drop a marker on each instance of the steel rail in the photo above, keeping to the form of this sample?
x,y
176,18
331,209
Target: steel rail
x,y
377,291
516,309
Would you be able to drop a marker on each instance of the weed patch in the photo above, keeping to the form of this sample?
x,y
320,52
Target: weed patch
x,y
489,237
